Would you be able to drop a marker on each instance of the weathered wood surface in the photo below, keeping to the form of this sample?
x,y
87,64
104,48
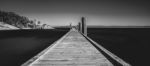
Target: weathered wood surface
x,y
72,50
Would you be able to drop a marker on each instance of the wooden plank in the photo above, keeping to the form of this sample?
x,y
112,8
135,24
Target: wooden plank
x,y
72,50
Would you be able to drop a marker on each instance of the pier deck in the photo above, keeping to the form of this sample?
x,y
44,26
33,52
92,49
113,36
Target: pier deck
x,y
73,49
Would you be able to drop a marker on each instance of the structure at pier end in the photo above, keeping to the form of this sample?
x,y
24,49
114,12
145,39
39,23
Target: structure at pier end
x,y
82,27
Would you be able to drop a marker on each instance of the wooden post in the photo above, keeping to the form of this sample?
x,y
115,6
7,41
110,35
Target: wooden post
x,y
80,27
84,27
82,23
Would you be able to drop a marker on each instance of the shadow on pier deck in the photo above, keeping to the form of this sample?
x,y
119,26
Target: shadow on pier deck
x,y
75,49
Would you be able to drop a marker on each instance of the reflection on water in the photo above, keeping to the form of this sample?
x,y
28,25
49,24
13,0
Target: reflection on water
x,y
18,46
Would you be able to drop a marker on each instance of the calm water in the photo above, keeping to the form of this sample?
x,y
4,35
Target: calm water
x,y
18,46
130,44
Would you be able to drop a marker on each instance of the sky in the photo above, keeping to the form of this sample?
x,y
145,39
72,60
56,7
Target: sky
x,y
96,12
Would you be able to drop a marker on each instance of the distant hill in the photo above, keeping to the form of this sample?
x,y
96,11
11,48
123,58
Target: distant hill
x,y
48,27
21,22
61,26
4,26
14,19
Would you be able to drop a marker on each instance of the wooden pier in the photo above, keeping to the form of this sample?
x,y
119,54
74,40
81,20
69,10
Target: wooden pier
x,y
73,49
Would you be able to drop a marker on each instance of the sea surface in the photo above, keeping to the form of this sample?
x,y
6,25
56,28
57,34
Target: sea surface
x,y
18,46
130,44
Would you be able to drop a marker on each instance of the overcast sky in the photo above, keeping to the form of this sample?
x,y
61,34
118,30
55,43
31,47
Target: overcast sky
x,y
97,12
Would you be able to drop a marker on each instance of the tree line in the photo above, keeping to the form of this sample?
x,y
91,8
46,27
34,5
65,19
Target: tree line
x,y
17,20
